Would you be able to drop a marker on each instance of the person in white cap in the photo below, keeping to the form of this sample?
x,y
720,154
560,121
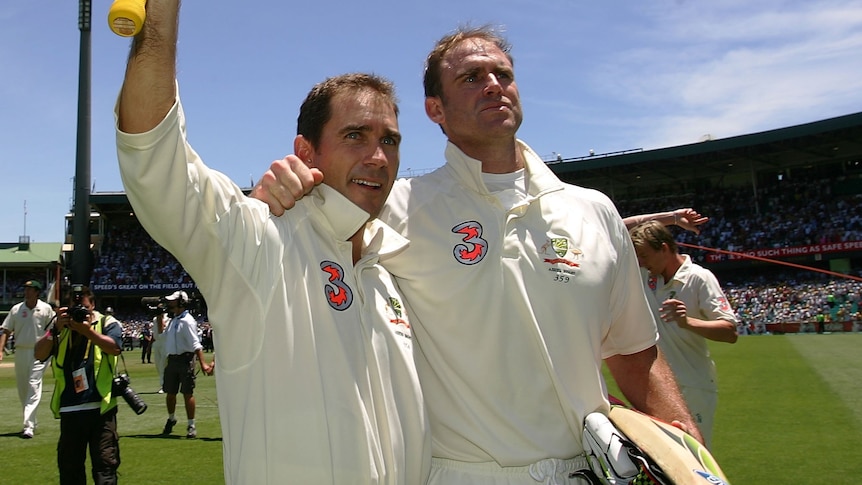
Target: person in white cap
x,y
182,345
28,320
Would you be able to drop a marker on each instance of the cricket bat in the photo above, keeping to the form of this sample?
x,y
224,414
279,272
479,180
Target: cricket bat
x,y
679,457
126,17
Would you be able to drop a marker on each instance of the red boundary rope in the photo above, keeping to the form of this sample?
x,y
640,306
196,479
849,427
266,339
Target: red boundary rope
x,y
775,261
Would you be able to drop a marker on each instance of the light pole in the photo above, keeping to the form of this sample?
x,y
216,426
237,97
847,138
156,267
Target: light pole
x,y
81,256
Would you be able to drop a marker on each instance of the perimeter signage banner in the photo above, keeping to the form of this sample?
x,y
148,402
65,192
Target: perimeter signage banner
x,y
787,252
142,287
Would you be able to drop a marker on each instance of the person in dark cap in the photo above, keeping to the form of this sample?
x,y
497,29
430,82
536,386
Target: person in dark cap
x,y
28,320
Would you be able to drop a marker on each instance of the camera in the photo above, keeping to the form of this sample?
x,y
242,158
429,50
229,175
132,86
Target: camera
x,y
78,312
121,387
155,305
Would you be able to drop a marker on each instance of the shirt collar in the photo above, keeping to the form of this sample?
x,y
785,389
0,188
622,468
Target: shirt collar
x,y
682,273
345,218
540,179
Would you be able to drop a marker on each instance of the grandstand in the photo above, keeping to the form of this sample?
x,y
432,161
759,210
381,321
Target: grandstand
x,y
24,261
792,195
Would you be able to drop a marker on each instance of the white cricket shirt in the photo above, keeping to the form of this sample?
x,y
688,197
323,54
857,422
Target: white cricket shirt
x,y
315,376
685,351
28,324
515,302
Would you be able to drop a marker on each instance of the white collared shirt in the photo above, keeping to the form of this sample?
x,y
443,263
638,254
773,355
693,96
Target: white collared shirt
x,y
515,302
315,377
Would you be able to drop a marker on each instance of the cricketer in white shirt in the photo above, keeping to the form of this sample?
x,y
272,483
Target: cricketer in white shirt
x,y
315,376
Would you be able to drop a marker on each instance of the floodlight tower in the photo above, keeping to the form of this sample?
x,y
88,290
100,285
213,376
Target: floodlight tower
x,y
81,257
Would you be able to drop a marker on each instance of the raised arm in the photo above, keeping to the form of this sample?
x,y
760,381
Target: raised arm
x,y
150,83
685,218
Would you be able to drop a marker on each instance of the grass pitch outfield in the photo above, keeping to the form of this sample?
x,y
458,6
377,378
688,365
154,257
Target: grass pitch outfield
x,y
790,411
147,457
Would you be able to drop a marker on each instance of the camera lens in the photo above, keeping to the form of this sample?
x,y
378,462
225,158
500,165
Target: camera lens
x,y
79,313
121,387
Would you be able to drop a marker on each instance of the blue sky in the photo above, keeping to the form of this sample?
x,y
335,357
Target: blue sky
x,y
606,76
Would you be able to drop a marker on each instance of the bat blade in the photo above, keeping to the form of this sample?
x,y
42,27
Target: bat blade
x,y
681,457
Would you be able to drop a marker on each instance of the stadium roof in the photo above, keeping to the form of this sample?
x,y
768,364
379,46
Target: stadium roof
x,y
34,256
834,140
832,146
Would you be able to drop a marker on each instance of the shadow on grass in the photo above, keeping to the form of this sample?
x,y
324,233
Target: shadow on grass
x,y
166,437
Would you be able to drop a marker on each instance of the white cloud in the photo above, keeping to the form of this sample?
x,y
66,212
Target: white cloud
x,y
734,68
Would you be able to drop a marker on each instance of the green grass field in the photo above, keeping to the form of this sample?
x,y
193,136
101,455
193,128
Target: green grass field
x,y
147,457
790,411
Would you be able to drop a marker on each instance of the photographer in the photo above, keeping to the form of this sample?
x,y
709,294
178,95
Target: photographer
x,y
85,345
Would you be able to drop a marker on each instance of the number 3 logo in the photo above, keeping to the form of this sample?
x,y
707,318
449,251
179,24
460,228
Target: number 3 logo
x,y
338,294
474,248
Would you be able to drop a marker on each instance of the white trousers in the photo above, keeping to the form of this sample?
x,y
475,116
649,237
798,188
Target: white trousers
x,y
551,471
28,375
702,405
160,359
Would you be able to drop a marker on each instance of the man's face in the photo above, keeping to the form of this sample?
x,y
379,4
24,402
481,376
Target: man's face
x,y
173,306
87,303
30,293
480,99
652,260
358,149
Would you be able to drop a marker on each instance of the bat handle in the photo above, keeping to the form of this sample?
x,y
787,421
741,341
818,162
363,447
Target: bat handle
x,y
126,17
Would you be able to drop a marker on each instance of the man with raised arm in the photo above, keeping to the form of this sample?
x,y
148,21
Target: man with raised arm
x,y
316,381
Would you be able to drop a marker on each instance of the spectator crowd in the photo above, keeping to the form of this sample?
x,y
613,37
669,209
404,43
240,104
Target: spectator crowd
x,y
784,214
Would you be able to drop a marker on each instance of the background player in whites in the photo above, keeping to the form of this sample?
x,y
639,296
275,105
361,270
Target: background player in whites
x,y
159,323
691,308
27,320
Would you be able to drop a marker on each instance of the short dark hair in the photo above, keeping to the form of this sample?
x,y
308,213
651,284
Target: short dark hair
x,y
316,110
431,81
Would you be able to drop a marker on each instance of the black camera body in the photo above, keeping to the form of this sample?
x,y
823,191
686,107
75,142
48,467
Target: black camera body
x,y
78,312
155,305
121,388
